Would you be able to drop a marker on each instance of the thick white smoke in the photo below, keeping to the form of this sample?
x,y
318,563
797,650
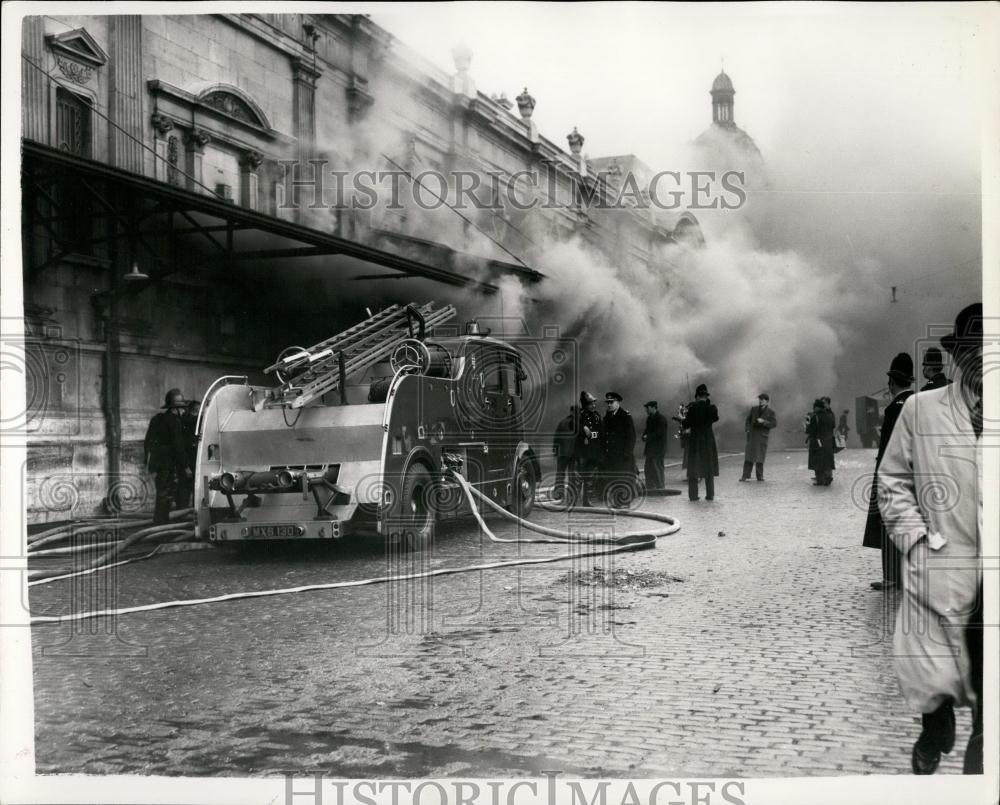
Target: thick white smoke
x,y
731,315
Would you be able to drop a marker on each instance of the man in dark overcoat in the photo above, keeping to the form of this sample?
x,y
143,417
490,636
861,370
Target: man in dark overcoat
x,y
588,449
933,370
842,427
703,456
167,455
758,425
655,437
900,387
820,428
190,422
563,443
619,467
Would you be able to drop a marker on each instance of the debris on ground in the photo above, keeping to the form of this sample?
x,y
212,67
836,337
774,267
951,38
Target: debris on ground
x,y
620,578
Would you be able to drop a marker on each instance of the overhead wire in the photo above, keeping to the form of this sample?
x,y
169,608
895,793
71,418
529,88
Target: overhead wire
x,y
108,120
473,224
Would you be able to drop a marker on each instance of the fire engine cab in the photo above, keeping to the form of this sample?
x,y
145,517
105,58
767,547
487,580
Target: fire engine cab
x,y
357,433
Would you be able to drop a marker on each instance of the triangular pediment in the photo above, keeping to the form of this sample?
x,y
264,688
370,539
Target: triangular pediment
x,y
79,45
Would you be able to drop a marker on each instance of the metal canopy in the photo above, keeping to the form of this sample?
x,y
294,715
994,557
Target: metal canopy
x,y
167,227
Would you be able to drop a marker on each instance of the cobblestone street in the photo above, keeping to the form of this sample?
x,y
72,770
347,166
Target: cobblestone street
x,y
747,644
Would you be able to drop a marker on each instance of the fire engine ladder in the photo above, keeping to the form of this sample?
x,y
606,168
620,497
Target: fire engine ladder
x,y
307,374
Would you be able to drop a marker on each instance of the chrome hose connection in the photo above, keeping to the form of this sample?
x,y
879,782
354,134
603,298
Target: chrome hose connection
x,y
248,481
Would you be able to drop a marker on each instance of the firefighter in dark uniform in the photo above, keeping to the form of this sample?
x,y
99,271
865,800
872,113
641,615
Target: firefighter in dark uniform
x,y
190,421
619,470
167,454
588,448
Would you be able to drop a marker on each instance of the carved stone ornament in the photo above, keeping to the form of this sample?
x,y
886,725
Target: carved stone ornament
x,y
251,160
172,159
525,104
575,140
77,73
161,123
229,104
198,138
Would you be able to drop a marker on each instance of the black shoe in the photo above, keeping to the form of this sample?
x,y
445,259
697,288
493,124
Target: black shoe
x,y
744,479
708,498
885,584
694,499
924,761
760,480
937,736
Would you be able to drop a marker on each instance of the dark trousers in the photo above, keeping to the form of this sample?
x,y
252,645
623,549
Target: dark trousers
x,y
564,475
167,492
654,471
891,559
585,480
693,487
938,729
759,466
618,481
974,641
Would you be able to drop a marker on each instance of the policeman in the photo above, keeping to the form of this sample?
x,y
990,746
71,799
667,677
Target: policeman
x,y
166,448
619,448
933,370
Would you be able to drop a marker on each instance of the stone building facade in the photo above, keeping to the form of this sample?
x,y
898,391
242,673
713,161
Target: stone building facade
x,y
165,243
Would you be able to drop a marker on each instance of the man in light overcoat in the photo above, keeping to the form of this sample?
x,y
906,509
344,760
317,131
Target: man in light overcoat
x,y
932,508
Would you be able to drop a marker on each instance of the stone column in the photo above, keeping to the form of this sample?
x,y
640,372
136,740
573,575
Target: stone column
x,y
195,143
34,95
304,78
250,161
126,92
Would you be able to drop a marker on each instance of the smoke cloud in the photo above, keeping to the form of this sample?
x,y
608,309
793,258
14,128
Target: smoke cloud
x,y
863,192
869,123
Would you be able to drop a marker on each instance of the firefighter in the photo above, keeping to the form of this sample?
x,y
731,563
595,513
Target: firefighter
x,y
166,453
587,449
619,448
190,422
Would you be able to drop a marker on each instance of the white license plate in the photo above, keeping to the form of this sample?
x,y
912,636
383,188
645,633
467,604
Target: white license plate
x,y
274,531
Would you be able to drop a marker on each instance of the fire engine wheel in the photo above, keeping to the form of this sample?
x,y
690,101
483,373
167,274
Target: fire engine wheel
x,y
417,526
523,493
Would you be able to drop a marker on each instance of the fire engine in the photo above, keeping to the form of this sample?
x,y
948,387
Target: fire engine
x,y
356,435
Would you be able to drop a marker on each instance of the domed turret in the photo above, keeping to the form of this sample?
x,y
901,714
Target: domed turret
x,y
726,145
722,83
722,100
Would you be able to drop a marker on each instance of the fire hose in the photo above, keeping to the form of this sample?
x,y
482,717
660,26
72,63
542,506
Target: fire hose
x,y
621,544
171,530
